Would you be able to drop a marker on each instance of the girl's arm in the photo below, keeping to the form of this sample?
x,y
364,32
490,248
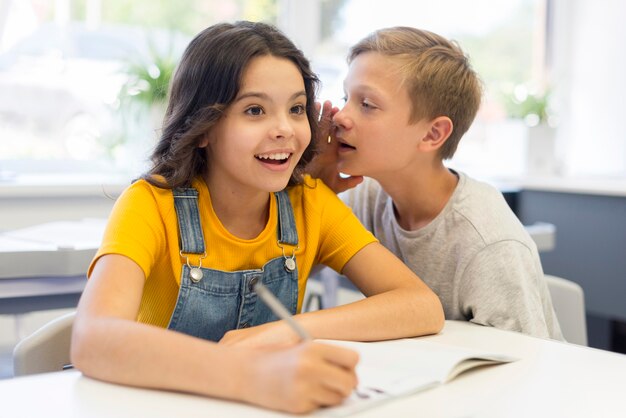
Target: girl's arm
x,y
398,305
398,302
108,344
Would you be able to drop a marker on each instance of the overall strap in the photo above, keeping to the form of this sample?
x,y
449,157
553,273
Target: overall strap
x,y
287,232
189,227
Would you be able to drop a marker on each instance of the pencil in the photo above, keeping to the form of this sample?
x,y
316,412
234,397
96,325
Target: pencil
x,y
279,310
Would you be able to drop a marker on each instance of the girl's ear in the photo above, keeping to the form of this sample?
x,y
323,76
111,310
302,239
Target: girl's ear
x,y
439,131
204,141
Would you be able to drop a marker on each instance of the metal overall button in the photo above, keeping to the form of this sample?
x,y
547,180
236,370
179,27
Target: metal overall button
x,y
195,273
253,281
290,262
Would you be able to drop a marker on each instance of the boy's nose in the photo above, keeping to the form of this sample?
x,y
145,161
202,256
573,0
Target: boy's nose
x,y
342,120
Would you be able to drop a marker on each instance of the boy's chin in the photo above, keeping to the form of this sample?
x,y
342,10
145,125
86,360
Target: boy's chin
x,y
345,175
347,171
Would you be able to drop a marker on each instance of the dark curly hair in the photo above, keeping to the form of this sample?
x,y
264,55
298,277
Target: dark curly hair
x,y
207,80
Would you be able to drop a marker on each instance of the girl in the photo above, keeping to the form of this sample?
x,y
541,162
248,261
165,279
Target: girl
x,y
223,207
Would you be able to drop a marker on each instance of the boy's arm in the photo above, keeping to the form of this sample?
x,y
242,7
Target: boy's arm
x,y
324,165
504,287
108,344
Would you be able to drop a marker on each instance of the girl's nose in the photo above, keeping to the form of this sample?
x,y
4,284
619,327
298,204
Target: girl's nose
x,y
282,128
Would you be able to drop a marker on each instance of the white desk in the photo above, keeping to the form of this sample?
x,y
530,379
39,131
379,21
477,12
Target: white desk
x,y
551,379
44,266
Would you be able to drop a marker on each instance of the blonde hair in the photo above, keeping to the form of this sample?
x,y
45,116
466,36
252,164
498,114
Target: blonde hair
x,y
437,74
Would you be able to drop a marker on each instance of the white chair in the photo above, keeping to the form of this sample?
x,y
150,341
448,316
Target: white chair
x,y
568,300
45,350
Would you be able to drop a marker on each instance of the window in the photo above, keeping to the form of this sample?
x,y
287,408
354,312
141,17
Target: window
x,y
70,100
82,82
506,44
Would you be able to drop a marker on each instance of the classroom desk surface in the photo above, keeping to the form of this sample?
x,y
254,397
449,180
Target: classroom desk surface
x,y
551,379
43,266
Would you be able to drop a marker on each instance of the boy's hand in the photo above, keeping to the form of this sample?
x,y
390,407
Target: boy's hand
x,y
300,378
324,165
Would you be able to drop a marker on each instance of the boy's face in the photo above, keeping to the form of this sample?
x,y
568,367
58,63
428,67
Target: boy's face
x,y
373,129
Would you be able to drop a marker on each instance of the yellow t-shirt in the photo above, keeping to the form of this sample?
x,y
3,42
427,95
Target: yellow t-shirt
x,y
143,227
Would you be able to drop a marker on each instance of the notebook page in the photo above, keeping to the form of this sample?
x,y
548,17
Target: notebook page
x,y
388,369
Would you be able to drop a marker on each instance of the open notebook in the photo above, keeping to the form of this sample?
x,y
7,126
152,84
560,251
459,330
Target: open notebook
x,y
388,369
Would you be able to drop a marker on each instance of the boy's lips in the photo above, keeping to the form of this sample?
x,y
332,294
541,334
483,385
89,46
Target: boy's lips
x,y
344,146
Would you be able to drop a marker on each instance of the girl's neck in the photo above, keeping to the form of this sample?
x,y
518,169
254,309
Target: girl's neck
x,y
243,213
421,195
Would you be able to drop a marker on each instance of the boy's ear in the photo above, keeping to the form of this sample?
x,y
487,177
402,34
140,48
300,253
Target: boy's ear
x,y
438,133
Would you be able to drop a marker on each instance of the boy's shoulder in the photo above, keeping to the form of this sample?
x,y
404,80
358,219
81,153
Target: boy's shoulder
x,y
367,192
483,209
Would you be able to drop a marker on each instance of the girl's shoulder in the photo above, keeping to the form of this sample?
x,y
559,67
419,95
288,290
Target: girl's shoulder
x,y
313,194
143,191
310,188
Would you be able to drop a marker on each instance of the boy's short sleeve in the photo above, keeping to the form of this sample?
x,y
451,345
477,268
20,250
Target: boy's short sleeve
x,y
497,290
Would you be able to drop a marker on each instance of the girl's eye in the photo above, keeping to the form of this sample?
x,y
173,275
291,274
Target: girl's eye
x,y
255,111
298,109
344,99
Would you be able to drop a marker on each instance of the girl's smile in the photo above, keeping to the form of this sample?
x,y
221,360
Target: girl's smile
x,y
259,140
276,160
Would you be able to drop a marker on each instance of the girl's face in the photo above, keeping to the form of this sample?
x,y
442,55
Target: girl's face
x,y
374,131
263,133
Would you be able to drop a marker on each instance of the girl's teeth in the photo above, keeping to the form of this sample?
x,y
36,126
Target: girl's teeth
x,y
277,156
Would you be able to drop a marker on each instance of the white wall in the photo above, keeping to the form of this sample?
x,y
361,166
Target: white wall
x,y
588,77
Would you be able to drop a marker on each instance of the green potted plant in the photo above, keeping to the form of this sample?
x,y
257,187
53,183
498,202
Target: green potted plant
x,y
142,101
148,80
529,105
143,97
533,108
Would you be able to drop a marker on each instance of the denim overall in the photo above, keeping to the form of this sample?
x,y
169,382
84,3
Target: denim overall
x,y
212,302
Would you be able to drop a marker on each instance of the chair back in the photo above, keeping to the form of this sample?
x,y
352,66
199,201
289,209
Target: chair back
x,y
45,350
568,300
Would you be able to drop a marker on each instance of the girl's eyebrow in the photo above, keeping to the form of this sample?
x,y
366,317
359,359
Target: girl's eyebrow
x,y
265,96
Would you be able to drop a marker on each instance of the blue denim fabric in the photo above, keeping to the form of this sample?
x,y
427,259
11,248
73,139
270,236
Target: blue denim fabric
x,y
222,300
287,232
189,227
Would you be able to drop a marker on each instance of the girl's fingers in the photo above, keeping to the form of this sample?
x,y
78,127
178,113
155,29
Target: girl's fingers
x,y
340,356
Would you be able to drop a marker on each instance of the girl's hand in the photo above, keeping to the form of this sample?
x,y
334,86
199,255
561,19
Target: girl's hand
x,y
324,165
301,378
271,334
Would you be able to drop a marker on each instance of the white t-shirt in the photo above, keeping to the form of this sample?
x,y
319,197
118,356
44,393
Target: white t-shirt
x,y
475,255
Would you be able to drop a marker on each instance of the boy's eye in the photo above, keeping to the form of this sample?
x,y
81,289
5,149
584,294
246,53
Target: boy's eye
x,y
367,104
298,109
254,111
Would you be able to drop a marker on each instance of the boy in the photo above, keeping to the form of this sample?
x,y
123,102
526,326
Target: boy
x,y
410,96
